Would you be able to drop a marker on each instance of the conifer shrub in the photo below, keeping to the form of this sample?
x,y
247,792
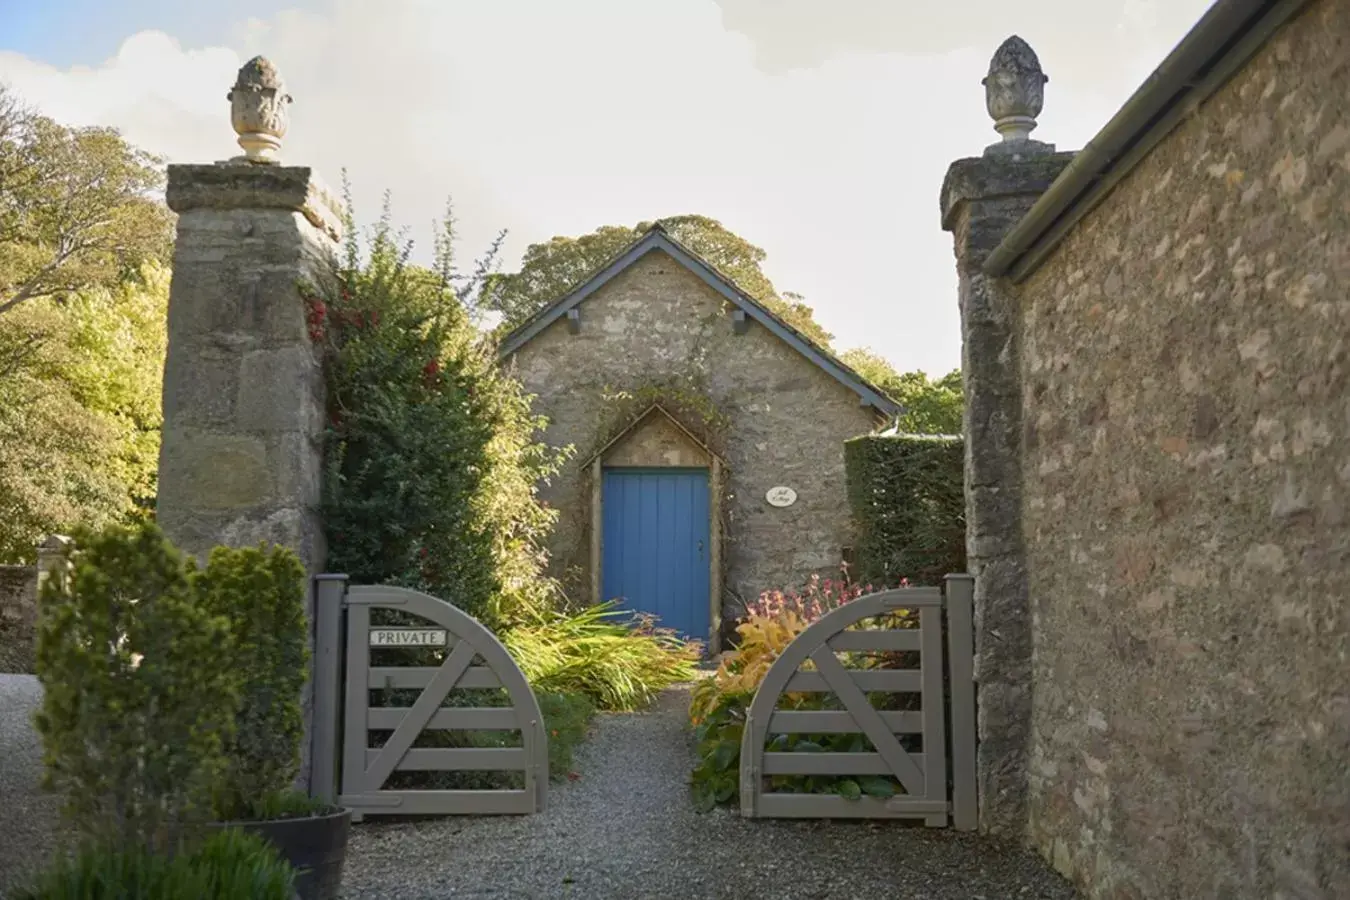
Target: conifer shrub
x,y
260,592
139,690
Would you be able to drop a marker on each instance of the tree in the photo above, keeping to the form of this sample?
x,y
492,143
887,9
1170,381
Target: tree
x,y
77,207
80,410
549,270
931,406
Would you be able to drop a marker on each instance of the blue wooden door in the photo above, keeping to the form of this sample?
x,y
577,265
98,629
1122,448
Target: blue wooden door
x,y
656,549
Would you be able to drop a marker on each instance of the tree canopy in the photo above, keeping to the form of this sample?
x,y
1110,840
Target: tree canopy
x,y
550,269
932,406
80,413
83,299
77,207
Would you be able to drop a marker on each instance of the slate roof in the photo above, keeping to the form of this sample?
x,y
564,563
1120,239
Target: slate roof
x,y
657,238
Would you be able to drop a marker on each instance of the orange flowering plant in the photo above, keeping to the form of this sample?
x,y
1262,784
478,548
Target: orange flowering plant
x,y
718,704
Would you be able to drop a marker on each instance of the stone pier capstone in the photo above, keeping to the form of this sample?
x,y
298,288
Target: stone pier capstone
x,y
982,199
241,457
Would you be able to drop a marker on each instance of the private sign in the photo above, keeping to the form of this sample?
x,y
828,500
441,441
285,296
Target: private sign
x,y
407,637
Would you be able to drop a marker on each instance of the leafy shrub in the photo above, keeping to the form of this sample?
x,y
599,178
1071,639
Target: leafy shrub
x,y
719,704
432,461
567,718
228,865
907,497
261,593
139,689
618,666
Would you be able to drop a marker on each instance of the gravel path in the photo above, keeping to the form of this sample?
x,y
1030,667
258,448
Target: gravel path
x,y
27,816
626,829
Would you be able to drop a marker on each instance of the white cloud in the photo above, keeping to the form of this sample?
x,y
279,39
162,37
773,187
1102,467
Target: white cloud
x,y
554,118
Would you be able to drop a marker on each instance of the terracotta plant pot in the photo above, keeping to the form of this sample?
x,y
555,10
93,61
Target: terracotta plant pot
x,y
315,845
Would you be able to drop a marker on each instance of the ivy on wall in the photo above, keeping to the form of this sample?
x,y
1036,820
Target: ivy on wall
x,y
686,403
906,494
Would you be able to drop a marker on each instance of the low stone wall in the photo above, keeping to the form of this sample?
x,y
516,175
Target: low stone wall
x,y
18,617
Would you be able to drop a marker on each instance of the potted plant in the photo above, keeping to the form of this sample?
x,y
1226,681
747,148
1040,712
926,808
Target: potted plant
x,y
261,593
139,694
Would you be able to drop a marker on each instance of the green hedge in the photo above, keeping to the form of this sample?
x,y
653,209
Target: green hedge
x,y
906,495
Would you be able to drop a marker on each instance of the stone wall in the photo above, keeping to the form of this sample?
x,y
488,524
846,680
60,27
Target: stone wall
x,y
18,615
1186,478
788,419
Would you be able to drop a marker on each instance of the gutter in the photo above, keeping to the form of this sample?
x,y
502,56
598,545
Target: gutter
x,y
1219,45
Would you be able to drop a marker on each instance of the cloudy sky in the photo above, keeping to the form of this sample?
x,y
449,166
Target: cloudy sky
x,y
818,129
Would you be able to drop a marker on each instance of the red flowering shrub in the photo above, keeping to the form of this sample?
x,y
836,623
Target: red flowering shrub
x,y
432,452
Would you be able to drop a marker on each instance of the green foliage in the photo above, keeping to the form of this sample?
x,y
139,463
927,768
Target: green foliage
x,y
228,865
716,778
549,270
567,717
283,804
260,592
80,386
906,493
616,665
139,689
432,459
78,207
931,406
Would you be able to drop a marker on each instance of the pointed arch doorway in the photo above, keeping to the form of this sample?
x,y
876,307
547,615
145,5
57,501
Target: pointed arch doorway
x,y
656,526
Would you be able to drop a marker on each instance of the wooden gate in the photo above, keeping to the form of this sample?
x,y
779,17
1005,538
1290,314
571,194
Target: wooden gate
x,y
473,660
812,664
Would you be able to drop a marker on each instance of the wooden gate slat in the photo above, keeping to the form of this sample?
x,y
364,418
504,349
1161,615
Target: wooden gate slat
x,y
833,763
443,803
496,718
388,756
458,759
832,806
891,680
896,640
934,720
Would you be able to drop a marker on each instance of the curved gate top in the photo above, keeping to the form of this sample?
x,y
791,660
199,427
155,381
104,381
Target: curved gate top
x,y
474,660
811,664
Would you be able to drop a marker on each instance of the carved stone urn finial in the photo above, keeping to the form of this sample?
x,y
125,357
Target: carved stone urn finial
x,y
1014,89
258,111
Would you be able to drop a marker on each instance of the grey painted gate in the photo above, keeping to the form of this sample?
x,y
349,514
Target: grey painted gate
x,y
474,660
811,663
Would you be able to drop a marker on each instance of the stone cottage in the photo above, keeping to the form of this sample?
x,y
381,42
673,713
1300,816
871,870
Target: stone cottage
x,y
1159,468
708,438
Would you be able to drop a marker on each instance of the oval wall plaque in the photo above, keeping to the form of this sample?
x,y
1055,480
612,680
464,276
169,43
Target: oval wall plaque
x,y
781,496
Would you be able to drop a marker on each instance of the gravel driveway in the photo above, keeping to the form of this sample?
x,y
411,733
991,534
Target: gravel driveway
x,y
27,816
626,829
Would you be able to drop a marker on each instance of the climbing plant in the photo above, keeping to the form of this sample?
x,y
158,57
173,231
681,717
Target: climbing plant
x,y
432,453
